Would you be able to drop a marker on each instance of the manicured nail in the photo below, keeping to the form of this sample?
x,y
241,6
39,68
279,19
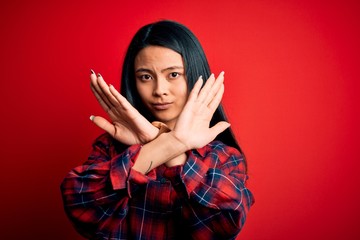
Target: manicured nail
x,y
91,71
92,117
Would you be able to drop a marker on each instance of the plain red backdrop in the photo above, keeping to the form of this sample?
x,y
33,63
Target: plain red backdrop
x,y
292,83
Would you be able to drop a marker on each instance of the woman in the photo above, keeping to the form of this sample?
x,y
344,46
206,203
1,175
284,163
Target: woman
x,y
169,166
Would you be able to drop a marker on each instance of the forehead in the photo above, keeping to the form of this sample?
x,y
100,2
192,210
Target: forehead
x,y
157,57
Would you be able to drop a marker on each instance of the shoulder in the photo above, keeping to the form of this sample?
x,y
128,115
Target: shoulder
x,y
104,141
218,150
220,146
107,143
104,138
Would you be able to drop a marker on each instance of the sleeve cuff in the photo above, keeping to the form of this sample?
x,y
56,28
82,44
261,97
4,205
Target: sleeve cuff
x,y
136,180
123,176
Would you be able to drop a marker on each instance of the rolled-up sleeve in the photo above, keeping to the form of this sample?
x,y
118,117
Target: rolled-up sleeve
x,y
101,186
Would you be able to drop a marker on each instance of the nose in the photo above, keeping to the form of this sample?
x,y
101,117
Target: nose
x,y
161,87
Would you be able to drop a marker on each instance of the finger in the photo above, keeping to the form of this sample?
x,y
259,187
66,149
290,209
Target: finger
x,y
108,94
219,128
103,124
105,92
196,89
206,89
98,92
99,99
214,88
214,103
120,99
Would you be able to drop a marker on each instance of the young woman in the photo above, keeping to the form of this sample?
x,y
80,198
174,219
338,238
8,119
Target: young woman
x,y
168,166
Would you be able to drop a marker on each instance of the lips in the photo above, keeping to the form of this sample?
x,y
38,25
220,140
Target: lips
x,y
161,106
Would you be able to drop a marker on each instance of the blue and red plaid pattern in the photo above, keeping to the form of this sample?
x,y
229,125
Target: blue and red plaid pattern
x,y
206,198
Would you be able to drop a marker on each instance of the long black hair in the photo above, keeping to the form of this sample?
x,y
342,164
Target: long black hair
x,y
180,39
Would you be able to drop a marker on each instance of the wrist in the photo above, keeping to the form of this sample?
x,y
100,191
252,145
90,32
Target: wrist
x,y
178,142
159,151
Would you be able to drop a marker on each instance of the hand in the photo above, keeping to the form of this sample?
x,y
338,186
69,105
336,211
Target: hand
x,y
128,125
192,127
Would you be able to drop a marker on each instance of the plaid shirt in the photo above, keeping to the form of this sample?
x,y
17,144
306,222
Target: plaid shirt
x,y
206,198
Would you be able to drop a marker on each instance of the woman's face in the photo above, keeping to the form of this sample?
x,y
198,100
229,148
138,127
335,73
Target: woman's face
x,y
161,82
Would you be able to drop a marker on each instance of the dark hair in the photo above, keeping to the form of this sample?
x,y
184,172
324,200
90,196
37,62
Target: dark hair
x,y
180,39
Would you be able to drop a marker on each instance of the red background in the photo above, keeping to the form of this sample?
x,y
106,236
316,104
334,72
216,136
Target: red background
x,y
292,82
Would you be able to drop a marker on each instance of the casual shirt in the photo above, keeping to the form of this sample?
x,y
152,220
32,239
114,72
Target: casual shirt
x,y
205,198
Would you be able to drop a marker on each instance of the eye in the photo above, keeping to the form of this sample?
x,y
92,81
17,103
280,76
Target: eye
x,y
174,75
145,77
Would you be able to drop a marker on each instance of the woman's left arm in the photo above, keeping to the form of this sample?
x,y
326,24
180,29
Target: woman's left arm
x,y
212,185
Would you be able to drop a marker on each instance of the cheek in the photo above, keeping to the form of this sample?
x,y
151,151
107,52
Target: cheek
x,y
183,94
180,85
184,90
143,91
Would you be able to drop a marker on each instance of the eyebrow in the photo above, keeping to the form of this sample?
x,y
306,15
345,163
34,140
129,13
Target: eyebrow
x,y
163,70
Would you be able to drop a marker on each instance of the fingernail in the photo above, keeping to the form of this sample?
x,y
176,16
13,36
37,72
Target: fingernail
x,y
200,77
92,117
110,85
91,71
223,73
99,75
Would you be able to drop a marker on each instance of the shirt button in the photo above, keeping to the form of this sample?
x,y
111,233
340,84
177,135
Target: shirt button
x,y
163,180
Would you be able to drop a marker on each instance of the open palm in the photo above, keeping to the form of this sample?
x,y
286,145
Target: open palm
x,y
127,125
192,127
